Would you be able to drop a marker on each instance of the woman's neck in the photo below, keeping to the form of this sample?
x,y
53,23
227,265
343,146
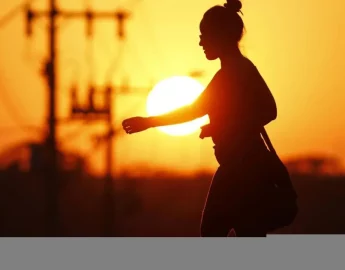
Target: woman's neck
x,y
230,57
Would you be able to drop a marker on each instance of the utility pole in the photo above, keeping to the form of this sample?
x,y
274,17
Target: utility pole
x,y
100,113
51,76
109,185
53,171
104,112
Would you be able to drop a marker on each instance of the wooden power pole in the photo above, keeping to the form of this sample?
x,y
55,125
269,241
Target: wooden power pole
x,y
51,74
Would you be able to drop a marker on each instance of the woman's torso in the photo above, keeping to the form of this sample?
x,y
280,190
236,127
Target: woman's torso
x,y
232,113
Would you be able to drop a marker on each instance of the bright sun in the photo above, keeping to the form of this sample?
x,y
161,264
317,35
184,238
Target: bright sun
x,y
172,93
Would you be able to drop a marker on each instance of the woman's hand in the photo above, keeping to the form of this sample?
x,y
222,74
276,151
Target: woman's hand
x,y
136,124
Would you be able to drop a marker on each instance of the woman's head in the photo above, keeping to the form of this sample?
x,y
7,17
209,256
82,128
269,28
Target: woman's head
x,y
221,29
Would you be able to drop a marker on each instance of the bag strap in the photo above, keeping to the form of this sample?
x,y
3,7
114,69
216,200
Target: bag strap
x,y
267,140
272,150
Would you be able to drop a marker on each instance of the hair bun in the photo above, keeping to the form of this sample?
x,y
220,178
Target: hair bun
x,y
233,5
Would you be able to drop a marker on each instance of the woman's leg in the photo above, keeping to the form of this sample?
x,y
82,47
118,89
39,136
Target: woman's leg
x,y
214,226
229,205
216,218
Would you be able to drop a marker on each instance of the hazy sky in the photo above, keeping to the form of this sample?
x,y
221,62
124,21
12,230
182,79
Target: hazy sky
x,y
297,46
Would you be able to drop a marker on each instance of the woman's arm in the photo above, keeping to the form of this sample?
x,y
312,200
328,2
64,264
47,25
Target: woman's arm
x,y
186,113
180,115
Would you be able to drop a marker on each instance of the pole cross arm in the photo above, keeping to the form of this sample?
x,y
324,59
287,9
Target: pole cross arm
x,y
88,15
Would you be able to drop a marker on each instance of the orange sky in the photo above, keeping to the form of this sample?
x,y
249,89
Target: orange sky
x,y
297,46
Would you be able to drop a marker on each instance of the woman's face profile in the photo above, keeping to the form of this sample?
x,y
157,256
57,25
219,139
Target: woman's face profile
x,y
209,41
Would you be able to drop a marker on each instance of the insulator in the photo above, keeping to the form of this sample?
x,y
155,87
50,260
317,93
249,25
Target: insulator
x,y
89,23
29,19
121,16
74,99
107,97
91,95
125,86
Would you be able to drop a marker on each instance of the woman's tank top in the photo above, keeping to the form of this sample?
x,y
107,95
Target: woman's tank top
x,y
237,95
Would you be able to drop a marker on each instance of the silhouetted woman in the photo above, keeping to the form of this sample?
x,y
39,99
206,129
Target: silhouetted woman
x,y
239,104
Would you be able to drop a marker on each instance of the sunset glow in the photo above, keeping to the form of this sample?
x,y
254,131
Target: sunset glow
x,y
172,93
298,53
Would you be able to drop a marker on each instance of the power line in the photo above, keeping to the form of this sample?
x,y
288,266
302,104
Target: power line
x,y
11,109
117,60
154,42
26,128
115,64
76,132
14,114
4,19
89,50
139,62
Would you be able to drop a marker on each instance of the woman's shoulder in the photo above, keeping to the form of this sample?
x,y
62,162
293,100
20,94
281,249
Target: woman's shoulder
x,y
250,72
242,65
218,78
248,65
